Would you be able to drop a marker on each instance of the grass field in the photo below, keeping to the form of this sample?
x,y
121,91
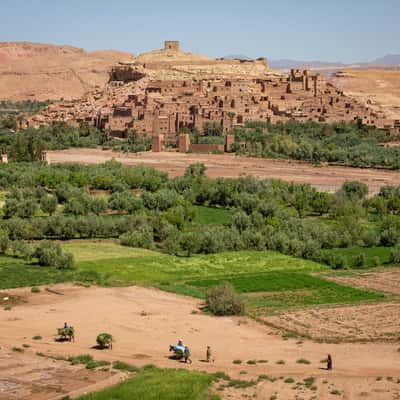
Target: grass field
x,y
283,289
108,263
155,384
210,216
268,279
120,265
19,273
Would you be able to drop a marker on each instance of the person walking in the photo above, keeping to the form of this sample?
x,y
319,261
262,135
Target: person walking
x,y
209,357
188,360
329,363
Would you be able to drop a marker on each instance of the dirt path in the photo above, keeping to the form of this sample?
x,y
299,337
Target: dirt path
x,y
326,178
145,321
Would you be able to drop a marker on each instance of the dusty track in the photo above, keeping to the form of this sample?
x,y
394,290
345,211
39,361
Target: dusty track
x,y
326,178
145,321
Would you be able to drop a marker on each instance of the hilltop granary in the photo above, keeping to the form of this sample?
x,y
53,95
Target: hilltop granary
x,y
162,92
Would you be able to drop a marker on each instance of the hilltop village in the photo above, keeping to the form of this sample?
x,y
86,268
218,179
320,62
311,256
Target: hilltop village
x,y
162,92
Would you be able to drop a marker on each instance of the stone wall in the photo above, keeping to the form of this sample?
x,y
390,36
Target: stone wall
x,y
206,148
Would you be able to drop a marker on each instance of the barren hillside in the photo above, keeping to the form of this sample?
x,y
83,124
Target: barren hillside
x,y
42,71
379,88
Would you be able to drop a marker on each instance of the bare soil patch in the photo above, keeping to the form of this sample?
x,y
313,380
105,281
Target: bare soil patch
x,y
26,376
372,322
145,321
387,281
8,300
331,388
326,178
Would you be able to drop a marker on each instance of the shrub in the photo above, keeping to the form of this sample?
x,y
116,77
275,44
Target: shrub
x,y
50,254
221,376
95,364
239,384
303,361
17,349
141,238
35,289
4,242
360,260
223,300
64,261
395,255
82,359
376,261
123,366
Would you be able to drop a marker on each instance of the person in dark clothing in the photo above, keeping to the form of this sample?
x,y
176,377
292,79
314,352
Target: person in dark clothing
x,y
187,356
329,363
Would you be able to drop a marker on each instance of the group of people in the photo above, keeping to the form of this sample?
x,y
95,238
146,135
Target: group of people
x,y
209,356
186,352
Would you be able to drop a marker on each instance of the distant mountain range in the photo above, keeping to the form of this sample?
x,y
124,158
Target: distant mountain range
x,y
388,60
286,64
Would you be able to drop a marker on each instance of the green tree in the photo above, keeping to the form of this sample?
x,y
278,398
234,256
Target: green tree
x,y
48,204
98,205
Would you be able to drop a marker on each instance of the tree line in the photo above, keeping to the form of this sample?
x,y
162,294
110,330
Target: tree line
x,y
144,208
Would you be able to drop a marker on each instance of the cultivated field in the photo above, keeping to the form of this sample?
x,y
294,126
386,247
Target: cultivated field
x,y
387,281
376,322
326,178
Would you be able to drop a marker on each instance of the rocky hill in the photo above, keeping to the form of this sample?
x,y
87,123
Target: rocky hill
x,y
42,71
379,89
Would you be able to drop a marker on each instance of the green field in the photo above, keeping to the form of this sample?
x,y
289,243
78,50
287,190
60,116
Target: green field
x,y
110,264
283,289
155,384
15,273
121,265
267,279
210,216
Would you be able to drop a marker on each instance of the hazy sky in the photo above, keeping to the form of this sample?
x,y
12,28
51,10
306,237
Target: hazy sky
x,y
335,30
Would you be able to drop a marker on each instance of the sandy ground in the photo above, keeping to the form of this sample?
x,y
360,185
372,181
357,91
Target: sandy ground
x,y
145,321
326,178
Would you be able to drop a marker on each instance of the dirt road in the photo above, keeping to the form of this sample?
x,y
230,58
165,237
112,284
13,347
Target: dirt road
x,y
326,178
145,321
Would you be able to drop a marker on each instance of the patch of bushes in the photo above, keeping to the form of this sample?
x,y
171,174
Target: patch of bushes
x,y
123,366
223,300
50,254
